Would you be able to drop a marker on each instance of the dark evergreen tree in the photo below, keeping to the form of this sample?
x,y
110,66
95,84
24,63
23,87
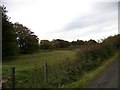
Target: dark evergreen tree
x,y
9,44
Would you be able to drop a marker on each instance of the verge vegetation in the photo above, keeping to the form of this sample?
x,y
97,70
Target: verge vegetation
x,y
68,62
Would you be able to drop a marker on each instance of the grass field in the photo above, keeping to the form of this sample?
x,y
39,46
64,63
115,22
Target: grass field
x,y
26,63
30,70
29,61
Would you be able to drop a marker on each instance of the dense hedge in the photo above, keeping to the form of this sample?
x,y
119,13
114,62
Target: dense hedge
x,y
91,56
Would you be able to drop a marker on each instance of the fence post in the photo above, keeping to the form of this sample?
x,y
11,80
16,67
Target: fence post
x,y
13,77
46,72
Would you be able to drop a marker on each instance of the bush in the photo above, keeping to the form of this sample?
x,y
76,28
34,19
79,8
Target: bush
x,y
91,56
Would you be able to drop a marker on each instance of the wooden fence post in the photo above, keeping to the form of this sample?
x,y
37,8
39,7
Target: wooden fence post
x,y
46,72
13,77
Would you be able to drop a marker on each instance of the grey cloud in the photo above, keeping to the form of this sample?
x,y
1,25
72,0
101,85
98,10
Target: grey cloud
x,y
105,13
105,6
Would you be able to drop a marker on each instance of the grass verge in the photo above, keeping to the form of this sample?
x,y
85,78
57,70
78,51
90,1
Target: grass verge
x,y
90,75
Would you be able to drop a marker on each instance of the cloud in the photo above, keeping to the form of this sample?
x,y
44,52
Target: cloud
x,y
104,14
66,19
100,23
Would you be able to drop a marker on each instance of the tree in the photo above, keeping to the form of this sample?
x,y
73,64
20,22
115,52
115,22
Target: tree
x,y
77,44
58,43
45,44
27,41
91,42
9,44
80,42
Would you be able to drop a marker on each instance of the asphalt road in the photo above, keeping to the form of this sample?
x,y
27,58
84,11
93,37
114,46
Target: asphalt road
x,y
107,79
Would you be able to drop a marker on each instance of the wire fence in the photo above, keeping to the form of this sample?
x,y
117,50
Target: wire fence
x,y
47,76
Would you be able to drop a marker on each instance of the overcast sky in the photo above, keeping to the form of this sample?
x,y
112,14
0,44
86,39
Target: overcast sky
x,y
66,19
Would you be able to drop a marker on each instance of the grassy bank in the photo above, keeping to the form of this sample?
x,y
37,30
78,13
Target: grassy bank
x,y
87,77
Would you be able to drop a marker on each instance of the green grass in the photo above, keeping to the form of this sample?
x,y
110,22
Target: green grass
x,y
29,68
38,59
30,71
87,77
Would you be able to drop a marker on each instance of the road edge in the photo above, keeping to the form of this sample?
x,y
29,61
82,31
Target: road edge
x,y
88,77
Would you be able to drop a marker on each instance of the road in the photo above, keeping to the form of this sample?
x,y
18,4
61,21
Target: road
x,y
108,78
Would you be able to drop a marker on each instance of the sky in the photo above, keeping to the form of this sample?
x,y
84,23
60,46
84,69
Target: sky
x,y
66,19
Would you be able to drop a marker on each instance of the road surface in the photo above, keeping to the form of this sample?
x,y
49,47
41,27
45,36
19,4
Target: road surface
x,y
107,79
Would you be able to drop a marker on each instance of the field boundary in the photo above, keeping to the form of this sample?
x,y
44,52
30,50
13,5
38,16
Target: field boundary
x,y
87,77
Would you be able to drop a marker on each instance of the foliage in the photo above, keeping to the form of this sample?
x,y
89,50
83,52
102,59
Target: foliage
x,y
81,43
30,68
54,44
58,43
16,38
91,56
63,66
27,41
63,44
9,45
46,44
87,77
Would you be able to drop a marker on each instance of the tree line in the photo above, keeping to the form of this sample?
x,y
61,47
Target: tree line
x,y
59,43
18,39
